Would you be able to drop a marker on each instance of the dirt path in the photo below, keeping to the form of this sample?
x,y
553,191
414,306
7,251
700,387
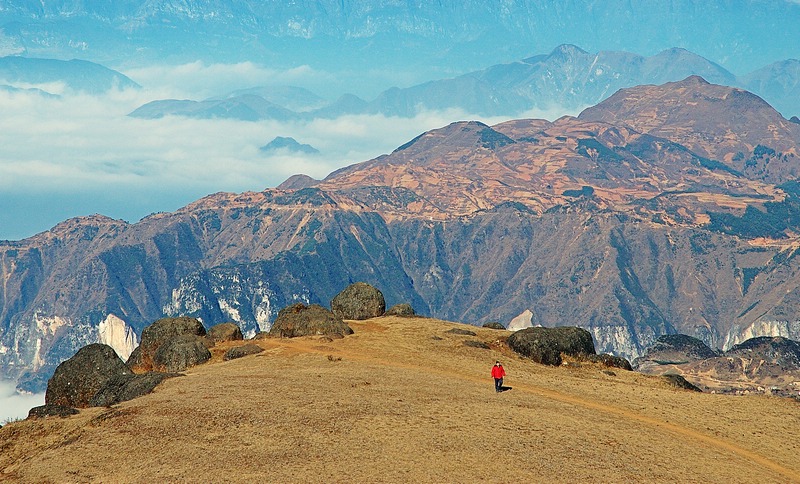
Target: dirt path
x,y
309,346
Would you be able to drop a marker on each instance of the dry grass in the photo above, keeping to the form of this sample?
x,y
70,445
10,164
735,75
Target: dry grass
x,y
400,401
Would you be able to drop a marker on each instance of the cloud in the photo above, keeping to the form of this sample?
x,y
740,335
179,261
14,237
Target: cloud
x,y
78,154
15,405
198,80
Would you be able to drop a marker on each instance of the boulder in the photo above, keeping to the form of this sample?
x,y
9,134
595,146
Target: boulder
x,y
181,352
127,387
678,381
51,410
477,344
611,361
225,332
159,333
493,325
241,351
358,301
403,310
301,320
462,332
79,378
545,345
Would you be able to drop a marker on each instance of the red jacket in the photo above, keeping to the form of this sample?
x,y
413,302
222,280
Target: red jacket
x,y
498,371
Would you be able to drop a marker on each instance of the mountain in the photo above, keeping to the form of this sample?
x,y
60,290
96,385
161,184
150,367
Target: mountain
x,y
415,390
281,143
630,234
779,83
763,364
245,107
391,34
566,79
76,75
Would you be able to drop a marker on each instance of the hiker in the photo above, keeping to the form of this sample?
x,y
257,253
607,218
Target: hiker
x,y
498,373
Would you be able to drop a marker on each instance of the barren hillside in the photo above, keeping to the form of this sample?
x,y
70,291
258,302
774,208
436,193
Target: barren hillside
x,y
402,400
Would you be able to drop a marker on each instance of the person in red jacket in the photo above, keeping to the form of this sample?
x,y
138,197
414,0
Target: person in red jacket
x,y
498,373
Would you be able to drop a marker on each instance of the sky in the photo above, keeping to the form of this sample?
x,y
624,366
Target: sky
x,y
78,154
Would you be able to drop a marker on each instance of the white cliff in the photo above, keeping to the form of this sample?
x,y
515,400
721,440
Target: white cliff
x,y
114,332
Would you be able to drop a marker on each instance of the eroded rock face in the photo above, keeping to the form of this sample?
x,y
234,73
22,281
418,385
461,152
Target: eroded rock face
x,y
359,301
545,345
158,333
79,378
301,320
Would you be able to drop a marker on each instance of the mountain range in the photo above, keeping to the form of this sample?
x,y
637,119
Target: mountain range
x,y
663,209
432,36
567,79
78,76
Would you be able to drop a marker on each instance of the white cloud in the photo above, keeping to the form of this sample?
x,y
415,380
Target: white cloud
x,y
15,405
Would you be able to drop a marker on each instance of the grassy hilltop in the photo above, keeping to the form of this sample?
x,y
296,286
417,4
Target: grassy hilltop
x,y
402,400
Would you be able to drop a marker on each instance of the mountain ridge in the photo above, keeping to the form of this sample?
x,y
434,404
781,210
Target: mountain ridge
x,y
627,234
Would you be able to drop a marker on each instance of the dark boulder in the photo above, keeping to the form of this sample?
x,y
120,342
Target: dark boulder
x,y
51,410
611,361
678,381
493,325
403,310
127,387
159,333
462,332
262,335
301,320
79,378
545,345
224,332
477,344
241,351
181,352
359,301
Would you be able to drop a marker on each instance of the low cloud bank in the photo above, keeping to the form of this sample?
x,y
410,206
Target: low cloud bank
x,y
13,405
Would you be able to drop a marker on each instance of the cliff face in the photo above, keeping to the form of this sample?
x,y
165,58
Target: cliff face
x,y
581,222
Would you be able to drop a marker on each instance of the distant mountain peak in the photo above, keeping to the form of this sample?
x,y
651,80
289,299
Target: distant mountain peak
x,y
288,144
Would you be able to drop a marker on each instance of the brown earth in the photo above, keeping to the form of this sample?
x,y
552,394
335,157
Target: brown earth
x,y
401,400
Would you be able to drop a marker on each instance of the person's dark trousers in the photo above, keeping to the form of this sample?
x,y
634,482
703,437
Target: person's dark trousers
x,y
498,384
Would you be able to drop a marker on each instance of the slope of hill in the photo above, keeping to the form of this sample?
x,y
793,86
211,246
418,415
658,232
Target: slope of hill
x,y
404,400
581,222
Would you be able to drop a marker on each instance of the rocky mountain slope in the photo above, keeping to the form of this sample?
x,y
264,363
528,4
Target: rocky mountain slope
x,y
630,234
764,364
406,399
